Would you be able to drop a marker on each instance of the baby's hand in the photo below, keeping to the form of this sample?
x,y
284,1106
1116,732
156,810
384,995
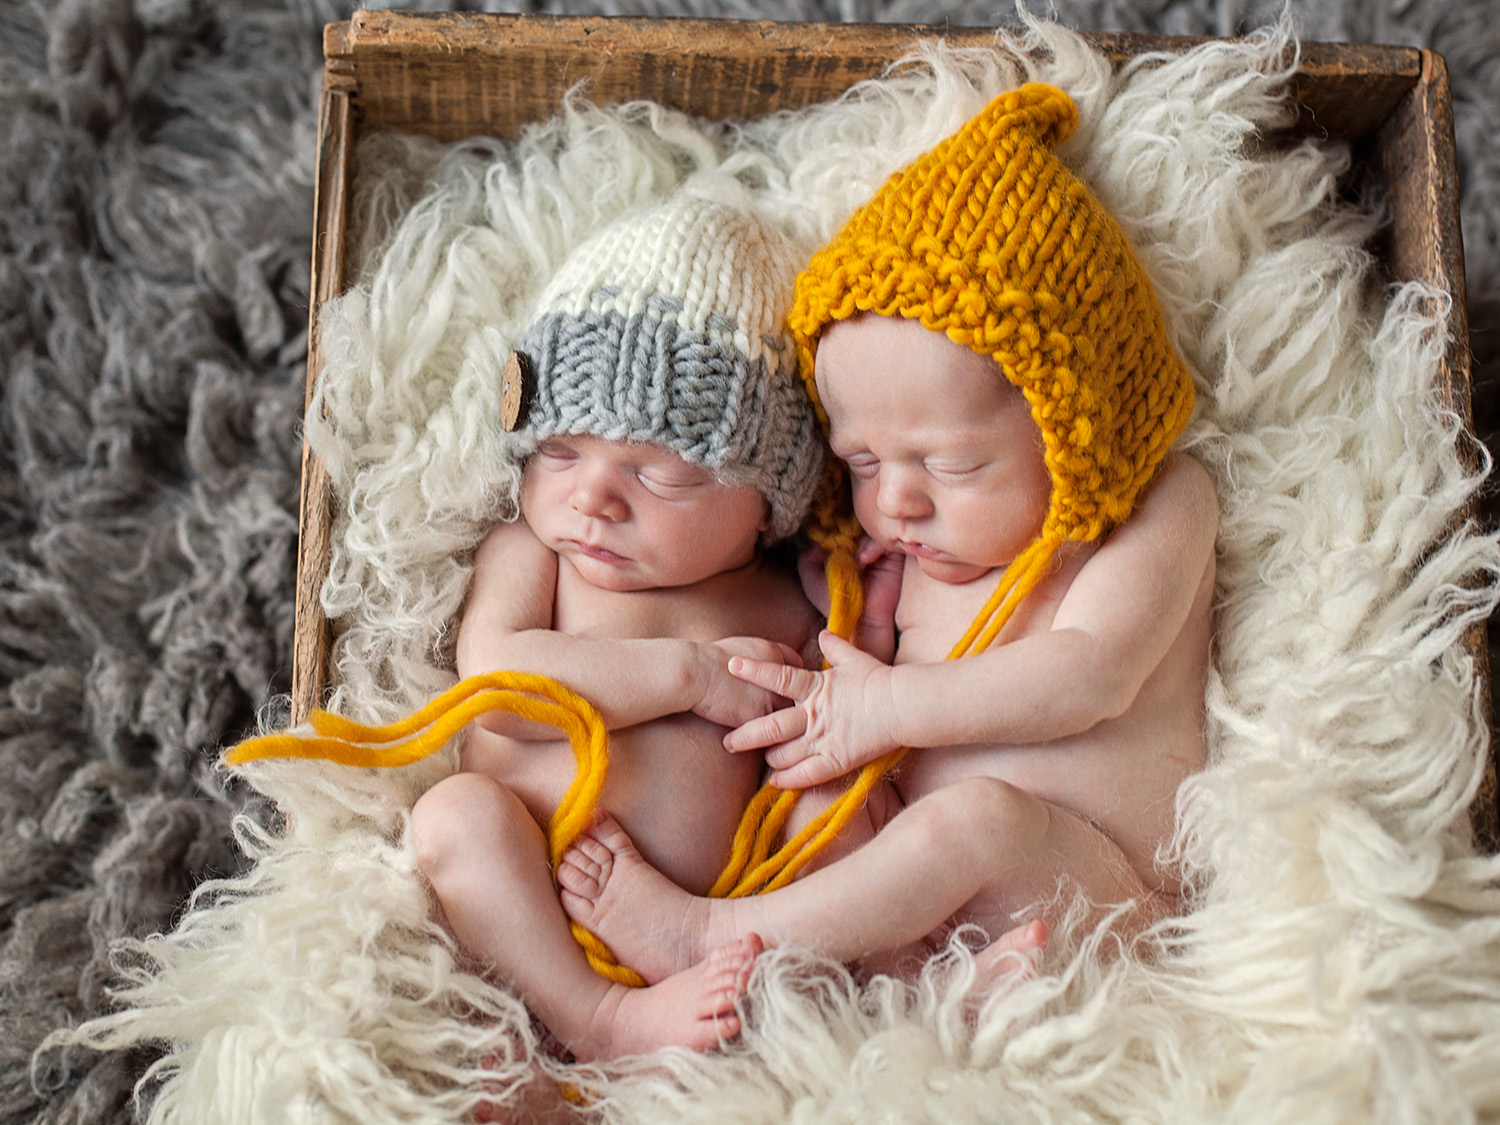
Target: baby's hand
x,y
727,700
882,571
841,717
810,569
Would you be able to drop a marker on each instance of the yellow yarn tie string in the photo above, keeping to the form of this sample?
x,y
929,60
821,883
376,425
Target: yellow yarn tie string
x,y
538,698
846,592
1018,580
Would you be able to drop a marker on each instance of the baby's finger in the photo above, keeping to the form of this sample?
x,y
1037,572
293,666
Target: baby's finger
x,y
787,753
835,649
810,771
785,680
768,730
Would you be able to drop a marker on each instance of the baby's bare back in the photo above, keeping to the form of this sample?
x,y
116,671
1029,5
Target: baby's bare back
x,y
671,784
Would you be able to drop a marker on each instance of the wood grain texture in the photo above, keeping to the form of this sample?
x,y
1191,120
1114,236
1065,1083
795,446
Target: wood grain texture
x,y
311,637
452,75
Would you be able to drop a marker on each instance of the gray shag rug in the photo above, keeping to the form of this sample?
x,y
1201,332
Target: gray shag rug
x,y
156,167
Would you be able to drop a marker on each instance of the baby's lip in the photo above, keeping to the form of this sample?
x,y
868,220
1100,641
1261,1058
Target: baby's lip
x,y
920,550
595,551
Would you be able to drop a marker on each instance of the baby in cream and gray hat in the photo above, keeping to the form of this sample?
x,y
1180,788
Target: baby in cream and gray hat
x,y
668,438
669,327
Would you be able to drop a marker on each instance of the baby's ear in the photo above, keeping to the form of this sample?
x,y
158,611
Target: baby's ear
x,y
765,516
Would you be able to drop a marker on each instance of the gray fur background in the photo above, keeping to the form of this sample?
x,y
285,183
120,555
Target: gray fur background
x,y
156,166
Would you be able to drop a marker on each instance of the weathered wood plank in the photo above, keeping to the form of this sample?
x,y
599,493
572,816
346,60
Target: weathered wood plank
x,y
1414,160
452,75
311,638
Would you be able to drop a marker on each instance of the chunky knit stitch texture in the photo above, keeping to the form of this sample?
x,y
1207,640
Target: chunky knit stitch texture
x,y
668,327
991,240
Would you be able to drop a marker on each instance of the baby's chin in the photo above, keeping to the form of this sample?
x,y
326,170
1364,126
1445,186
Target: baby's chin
x,y
622,576
951,571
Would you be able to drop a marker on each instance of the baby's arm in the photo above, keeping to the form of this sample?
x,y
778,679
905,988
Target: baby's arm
x,y
1113,627
507,624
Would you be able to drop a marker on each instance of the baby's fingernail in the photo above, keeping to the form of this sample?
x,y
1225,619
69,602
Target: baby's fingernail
x,y
736,663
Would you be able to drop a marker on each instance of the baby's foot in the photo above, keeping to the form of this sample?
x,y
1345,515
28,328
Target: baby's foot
x,y
540,1102
1014,953
649,922
694,1008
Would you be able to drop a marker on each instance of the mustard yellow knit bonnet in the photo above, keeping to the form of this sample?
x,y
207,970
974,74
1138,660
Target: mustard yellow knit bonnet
x,y
990,239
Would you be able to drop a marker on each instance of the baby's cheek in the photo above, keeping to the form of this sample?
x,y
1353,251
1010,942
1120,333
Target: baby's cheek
x,y
864,494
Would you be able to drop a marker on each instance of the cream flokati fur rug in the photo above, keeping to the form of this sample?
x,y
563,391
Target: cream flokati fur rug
x,y
1341,957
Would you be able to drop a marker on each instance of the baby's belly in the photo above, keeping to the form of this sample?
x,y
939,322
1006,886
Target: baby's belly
x,y
671,785
1118,777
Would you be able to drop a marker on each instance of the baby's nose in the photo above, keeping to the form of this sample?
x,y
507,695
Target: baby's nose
x,y
596,497
900,496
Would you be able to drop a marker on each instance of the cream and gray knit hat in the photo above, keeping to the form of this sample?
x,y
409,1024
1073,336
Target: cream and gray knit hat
x,y
668,326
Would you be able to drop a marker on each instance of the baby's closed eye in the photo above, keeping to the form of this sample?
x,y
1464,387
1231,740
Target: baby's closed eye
x,y
951,469
672,480
555,453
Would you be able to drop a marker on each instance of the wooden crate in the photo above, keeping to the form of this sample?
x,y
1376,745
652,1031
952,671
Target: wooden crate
x,y
457,75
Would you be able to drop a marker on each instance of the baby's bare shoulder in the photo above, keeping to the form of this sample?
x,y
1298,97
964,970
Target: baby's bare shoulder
x,y
508,544
1184,486
513,588
1153,569
1177,514
511,566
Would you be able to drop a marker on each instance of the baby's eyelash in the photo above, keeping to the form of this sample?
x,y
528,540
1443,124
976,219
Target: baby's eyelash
x,y
666,484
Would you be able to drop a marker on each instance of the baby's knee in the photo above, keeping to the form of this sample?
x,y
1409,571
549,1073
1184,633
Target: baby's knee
x,y
465,813
988,815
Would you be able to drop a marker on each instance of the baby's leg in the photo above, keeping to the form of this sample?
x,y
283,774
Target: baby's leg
x,y
982,850
487,861
664,945
883,804
1014,951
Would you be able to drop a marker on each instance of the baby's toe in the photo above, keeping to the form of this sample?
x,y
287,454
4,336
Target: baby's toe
x,y
579,878
718,1003
606,831
586,850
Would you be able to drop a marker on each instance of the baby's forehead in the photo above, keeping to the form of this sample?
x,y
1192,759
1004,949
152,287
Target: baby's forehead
x,y
655,453
872,360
